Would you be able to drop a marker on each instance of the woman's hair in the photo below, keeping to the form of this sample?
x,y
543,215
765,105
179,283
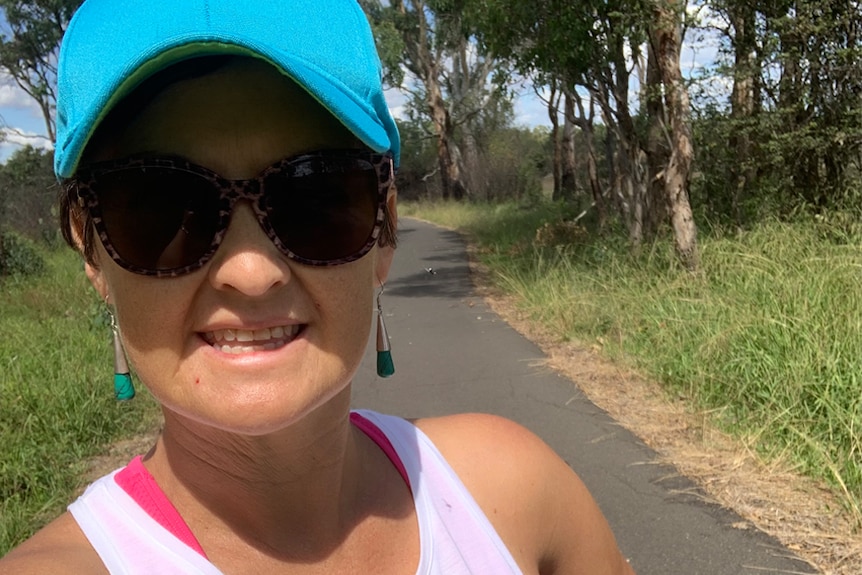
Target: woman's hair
x,y
76,224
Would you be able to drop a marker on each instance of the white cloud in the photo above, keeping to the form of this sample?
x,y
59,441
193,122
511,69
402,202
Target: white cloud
x,y
396,100
22,138
13,139
11,96
530,111
20,119
398,112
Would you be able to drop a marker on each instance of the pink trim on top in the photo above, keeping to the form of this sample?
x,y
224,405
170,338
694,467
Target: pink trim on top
x,y
378,437
135,480
142,487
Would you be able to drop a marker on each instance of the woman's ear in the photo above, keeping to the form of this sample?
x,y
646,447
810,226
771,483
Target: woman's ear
x,y
386,253
384,262
97,278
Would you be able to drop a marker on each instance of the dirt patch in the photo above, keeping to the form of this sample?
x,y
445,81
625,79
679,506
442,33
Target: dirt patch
x,y
803,514
119,454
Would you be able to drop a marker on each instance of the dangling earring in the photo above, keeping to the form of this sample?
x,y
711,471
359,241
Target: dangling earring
x,y
385,365
124,389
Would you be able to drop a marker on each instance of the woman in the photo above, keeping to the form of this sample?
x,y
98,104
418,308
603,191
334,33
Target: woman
x,y
228,169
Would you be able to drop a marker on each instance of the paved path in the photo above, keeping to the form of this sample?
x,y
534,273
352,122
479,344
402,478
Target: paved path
x,y
453,354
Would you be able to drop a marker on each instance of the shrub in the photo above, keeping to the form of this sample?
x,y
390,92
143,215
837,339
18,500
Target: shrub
x,y
28,193
19,256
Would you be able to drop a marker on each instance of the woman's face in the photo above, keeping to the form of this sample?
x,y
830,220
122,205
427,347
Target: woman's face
x,y
185,335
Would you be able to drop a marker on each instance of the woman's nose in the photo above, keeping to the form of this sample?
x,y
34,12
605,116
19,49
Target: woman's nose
x,y
247,261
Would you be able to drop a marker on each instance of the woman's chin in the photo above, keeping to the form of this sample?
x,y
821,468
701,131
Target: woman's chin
x,y
256,409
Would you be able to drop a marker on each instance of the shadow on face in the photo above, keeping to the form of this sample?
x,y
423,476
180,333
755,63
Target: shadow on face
x,y
233,115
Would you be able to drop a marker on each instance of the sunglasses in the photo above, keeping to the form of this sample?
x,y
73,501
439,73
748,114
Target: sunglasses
x,y
165,216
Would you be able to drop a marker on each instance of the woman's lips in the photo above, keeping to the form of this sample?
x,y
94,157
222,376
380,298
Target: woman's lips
x,y
239,341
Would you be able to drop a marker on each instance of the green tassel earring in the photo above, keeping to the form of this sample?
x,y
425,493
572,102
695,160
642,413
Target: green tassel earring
x,y
124,389
385,365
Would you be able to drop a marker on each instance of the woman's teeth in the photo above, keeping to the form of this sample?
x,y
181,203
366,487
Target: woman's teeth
x,y
237,341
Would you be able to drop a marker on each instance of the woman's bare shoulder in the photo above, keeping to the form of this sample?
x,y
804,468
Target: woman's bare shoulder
x,y
538,505
59,547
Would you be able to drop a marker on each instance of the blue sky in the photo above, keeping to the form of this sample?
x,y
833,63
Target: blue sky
x,y
21,119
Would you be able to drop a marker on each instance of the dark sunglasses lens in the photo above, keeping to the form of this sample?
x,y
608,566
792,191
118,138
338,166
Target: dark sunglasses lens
x,y
158,218
324,209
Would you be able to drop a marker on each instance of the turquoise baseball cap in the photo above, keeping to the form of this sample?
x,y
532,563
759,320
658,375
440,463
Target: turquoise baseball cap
x,y
111,46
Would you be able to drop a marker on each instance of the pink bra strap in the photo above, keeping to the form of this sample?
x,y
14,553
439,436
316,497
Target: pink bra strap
x,y
142,487
378,437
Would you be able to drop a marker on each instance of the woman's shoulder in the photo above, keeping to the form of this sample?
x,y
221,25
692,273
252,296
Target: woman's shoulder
x,y
505,466
59,547
477,444
534,500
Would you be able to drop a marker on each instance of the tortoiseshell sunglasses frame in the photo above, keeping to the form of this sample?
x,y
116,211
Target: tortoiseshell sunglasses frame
x,y
230,192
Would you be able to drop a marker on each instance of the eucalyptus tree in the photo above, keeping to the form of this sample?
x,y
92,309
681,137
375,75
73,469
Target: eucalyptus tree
x,y
665,36
29,43
819,96
590,48
795,123
550,42
428,50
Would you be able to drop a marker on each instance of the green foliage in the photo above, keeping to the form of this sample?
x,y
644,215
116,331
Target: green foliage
x,y
512,163
390,43
803,121
766,337
19,257
29,194
418,160
550,36
56,397
516,163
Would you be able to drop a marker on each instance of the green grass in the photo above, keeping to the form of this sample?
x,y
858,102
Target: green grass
x,y
768,336
56,393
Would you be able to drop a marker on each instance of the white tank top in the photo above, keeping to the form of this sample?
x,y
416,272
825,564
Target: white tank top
x,y
455,536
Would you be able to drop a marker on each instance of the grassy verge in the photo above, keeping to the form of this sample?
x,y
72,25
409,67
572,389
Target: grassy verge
x,y
56,393
768,336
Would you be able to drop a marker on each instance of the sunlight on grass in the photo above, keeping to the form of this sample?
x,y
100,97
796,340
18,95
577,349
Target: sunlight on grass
x,y
56,400
768,335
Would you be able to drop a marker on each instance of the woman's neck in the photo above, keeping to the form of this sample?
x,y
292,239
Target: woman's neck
x,y
293,494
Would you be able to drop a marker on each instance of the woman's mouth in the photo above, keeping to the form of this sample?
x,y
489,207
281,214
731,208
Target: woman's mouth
x,y
238,341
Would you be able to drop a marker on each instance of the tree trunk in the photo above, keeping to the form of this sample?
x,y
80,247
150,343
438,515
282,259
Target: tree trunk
x,y
634,192
667,38
658,152
631,158
461,86
610,91
628,188
589,132
553,116
791,105
473,173
568,182
615,189
448,155
425,61
742,101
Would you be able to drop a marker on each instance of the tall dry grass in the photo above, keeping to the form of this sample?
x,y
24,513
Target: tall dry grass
x,y
767,336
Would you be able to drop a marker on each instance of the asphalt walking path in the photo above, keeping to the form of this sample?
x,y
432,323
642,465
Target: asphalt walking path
x,y
453,354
